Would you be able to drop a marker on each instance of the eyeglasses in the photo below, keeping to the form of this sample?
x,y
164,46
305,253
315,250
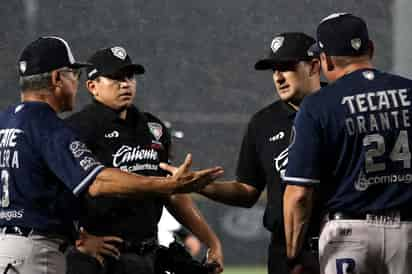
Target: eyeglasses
x,y
285,66
77,73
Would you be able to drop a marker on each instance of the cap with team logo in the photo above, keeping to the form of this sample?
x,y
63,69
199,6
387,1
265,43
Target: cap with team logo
x,y
45,54
110,61
342,34
288,47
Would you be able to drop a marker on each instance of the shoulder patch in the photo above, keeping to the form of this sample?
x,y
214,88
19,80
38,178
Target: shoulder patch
x,y
156,129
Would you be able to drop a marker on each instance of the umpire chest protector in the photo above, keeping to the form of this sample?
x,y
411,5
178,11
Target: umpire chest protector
x,y
137,145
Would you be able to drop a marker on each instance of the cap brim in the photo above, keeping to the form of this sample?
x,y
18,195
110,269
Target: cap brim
x,y
265,64
137,69
80,65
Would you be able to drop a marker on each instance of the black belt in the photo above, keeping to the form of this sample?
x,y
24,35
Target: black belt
x,y
403,215
26,232
140,248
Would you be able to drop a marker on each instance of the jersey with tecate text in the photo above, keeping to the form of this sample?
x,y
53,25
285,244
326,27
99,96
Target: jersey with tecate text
x,y
43,167
353,140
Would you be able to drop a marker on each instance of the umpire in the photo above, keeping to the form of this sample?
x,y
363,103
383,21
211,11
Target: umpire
x,y
264,151
124,137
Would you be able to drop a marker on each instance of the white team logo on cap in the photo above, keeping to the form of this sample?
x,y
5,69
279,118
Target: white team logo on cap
x,y
22,66
277,43
119,52
356,43
369,75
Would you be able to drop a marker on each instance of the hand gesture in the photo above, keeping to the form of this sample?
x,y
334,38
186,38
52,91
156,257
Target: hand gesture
x,y
98,247
191,181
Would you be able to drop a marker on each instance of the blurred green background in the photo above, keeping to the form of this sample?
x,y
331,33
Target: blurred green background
x,y
245,270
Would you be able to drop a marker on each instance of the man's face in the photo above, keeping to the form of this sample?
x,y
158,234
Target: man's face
x,y
292,80
70,83
116,92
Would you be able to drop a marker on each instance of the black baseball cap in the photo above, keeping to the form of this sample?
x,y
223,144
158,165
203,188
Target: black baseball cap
x,y
342,34
45,54
110,61
287,47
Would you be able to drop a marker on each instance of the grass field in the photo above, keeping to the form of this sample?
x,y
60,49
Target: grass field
x,y
245,270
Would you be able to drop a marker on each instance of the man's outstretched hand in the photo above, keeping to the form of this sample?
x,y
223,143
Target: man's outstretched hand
x,y
191,181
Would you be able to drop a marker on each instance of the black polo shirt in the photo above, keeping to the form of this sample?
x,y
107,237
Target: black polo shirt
x,y
263,158
137,144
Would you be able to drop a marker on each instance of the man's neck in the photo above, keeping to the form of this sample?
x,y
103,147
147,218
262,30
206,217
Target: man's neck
x,y
354,67
122,114
44,96
296,103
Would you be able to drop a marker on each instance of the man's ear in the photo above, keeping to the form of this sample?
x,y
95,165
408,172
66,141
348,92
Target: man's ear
x,y
314,67
91,87
329,64
55,78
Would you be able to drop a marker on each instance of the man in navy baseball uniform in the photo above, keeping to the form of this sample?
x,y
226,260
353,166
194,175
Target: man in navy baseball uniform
x,y
351,147
44,165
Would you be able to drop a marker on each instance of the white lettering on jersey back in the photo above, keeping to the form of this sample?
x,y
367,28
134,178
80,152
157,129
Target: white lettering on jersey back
x,y
8,137
280,135
379,100
9,158
127,154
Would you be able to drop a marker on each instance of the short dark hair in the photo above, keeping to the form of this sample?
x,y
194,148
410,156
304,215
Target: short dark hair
x,y
35,82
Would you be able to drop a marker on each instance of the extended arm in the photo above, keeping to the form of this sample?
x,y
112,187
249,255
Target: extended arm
x,y
112,181
231,193
184,210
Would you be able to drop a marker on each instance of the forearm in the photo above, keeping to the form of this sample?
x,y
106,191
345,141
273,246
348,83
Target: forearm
x,y
114,182
297,209
231,193
185,211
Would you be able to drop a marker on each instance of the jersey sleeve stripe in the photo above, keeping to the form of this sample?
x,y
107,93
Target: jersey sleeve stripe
x,y
87,179
300,180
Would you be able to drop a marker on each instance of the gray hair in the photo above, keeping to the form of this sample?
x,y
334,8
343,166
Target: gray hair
x,y
35,82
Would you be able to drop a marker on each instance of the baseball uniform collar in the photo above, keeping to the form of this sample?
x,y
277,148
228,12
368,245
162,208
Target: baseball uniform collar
x,y
108,114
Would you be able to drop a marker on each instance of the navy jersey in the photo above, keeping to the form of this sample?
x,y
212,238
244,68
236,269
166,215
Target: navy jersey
x,y
352,140
43,166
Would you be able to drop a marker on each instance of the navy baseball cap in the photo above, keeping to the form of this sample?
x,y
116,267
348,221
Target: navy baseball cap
x,y
110,61
288,47
342,34
45,54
